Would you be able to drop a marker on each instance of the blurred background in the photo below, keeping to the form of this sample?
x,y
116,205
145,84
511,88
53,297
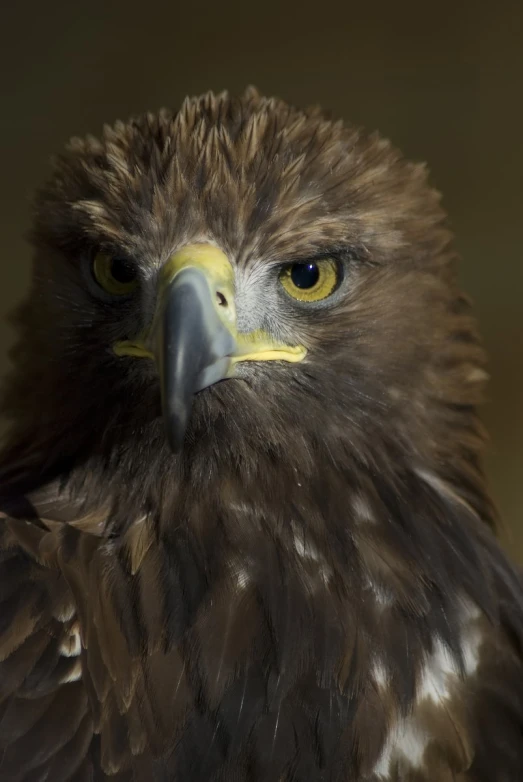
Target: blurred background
x,y
443,80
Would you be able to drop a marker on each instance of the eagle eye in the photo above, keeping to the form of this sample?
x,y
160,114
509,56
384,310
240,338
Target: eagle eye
x,y
310,280
115,274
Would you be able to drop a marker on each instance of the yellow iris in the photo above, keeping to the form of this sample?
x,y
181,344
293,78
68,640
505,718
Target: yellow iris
x,y
115,275
311,281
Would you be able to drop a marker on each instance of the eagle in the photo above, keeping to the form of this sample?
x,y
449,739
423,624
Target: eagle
x,y
245,532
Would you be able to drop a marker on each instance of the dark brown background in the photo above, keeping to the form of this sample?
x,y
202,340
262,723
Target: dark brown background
x,y
443,80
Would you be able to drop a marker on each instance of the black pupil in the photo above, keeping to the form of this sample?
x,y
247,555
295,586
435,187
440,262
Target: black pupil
x,y
305,275
122,271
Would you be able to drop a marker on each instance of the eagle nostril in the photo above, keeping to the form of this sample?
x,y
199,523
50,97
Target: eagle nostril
x,y
222,301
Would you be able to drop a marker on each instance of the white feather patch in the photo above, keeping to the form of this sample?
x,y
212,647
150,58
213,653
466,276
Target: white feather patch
x,y
74,673
307,551
379,674
441,676
362,510
407,742
71,646
471,636
66,613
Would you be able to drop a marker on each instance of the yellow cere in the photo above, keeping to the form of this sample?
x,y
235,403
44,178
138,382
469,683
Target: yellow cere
x,y
103,267
322,287
206,257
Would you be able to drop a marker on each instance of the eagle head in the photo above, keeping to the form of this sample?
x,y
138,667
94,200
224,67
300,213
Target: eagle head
x,y
280,285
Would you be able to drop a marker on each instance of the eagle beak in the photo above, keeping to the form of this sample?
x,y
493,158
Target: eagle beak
x,y
191,340
193,337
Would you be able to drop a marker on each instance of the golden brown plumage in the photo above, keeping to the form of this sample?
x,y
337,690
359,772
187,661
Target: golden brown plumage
x,y
310,589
